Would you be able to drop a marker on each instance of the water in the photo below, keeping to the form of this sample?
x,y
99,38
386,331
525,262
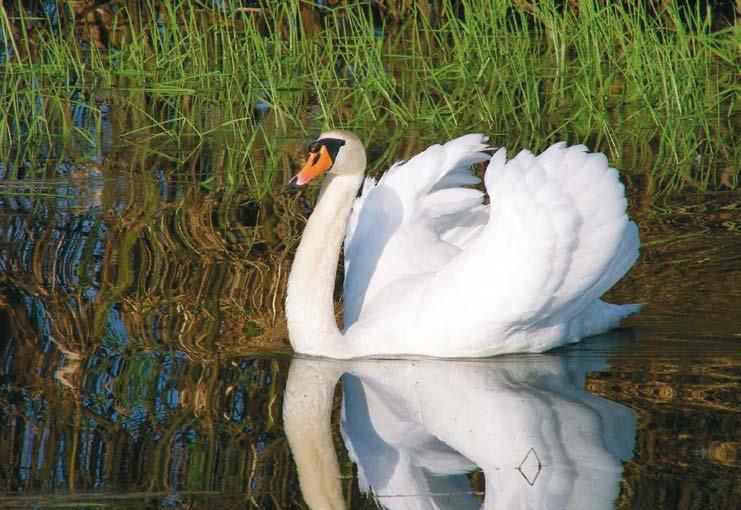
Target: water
x,y
144,364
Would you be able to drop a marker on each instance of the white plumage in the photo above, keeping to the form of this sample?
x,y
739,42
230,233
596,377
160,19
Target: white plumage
x,y
431,270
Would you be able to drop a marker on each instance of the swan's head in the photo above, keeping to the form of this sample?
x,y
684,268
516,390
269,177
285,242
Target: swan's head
x,y
337,152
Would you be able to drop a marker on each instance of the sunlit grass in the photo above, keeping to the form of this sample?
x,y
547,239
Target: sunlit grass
x,y
656,91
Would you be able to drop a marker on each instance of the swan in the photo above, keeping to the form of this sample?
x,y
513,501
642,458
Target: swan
x,y
415,428
430,270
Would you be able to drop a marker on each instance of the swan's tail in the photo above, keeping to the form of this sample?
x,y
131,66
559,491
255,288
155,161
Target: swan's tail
x,y
598,318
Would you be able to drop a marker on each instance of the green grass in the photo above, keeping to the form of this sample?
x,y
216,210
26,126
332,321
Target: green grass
x,y
656,91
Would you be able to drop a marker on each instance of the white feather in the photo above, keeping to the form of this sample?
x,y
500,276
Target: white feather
x,y
430,270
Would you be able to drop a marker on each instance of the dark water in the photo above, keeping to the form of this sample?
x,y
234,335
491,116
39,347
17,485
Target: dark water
x,y
144,364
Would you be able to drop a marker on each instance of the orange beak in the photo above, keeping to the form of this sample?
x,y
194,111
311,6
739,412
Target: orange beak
x,y
316,163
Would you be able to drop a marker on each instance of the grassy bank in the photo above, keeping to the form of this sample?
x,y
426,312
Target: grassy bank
x,y
656,90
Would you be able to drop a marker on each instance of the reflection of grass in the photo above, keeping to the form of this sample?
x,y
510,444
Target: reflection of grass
x,y
655,90
144,374
154,422
30,194
203,273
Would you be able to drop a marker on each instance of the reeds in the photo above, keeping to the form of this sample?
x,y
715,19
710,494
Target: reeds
x,y
655,89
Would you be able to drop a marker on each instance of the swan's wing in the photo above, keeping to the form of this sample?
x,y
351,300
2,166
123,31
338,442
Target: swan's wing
x,y
413,220
557,238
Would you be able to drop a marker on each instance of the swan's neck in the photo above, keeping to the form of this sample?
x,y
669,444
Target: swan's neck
x,y
312,327
307,413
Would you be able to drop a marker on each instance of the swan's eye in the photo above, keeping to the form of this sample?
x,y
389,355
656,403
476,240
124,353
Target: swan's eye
x,y
314,147
332,145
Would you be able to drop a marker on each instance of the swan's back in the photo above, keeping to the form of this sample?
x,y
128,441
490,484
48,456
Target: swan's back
x,y
525,275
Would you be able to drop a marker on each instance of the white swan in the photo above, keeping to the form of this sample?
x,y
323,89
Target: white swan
x,y
414,428
430,270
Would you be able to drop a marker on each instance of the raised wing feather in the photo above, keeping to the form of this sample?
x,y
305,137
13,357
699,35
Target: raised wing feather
x,y
557,238
399,225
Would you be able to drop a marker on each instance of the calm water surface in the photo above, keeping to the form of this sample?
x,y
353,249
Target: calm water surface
x,y
143,364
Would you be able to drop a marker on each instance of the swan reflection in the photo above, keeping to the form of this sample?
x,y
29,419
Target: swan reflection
x,y
415,428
